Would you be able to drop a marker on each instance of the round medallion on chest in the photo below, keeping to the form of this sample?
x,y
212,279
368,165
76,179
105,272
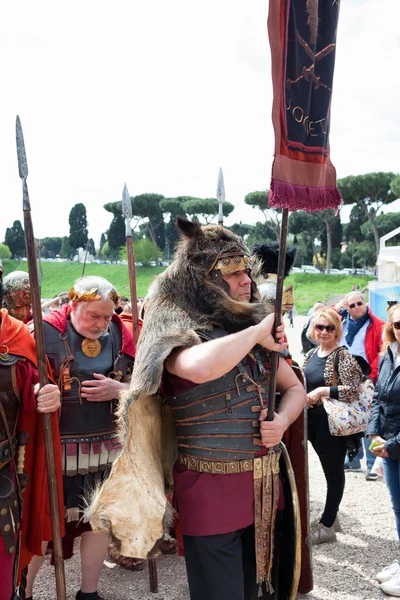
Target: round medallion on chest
x,y
91,348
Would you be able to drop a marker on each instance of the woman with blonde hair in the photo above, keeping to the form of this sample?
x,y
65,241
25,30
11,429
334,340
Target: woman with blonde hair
x,y
319,367
384,431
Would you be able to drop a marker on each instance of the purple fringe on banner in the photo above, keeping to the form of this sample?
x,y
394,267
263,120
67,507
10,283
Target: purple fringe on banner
x,y
303,197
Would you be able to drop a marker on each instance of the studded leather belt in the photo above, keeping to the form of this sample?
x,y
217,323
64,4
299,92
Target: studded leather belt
x,y
216,467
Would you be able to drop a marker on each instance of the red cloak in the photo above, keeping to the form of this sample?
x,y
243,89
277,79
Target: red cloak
x,y
36,522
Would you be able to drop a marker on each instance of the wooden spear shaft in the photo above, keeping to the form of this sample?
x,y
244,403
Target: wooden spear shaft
x,y
127,213
152,562
278,310
47,417
132,285
42,367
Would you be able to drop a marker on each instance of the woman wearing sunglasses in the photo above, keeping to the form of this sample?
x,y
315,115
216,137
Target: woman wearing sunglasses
x,y
384,430
319,367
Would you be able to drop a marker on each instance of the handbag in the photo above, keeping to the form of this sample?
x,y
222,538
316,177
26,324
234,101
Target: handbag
x,y
348,418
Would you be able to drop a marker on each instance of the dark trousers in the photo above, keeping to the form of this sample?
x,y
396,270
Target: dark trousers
x,y
222,567
331,451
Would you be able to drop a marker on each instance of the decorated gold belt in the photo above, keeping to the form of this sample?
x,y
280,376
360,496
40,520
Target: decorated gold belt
x,y
266,495
216,467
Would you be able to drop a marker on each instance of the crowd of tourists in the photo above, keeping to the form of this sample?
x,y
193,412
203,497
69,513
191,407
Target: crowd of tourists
x,y
206,348
346,345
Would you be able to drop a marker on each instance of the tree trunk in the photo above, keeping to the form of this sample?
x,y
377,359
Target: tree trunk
x,y
151,231
328,243
374,228
274,223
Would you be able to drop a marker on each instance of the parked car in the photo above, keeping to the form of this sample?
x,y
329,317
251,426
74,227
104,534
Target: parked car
x,y
364,272
335,272
310,269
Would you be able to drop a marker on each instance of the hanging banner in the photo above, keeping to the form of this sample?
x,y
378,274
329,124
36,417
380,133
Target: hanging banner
x,y
302,35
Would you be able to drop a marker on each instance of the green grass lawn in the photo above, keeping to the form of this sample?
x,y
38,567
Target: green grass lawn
x,y
58,277
310,288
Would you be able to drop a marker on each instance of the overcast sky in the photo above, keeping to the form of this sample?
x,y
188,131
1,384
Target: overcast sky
x,y
161,93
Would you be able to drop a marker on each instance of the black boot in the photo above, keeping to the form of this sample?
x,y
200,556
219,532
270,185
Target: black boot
x,y
92,596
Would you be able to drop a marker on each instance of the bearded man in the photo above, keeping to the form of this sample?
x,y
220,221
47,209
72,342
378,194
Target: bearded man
x,y
24,518
91,353
204,349
17,296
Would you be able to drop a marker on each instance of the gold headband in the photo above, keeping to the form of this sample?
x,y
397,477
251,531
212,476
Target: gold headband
x,y
230,264
91,295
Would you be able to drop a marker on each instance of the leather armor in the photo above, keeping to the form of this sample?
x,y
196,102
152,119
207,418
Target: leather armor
x,y
81,420
218,420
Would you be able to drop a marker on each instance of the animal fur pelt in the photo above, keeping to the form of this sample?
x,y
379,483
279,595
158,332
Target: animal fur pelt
x,y
186,298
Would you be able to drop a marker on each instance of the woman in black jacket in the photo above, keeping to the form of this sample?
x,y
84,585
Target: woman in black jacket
x,y
384,431
319,367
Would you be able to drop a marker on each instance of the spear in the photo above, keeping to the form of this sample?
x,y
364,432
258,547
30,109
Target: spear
x,y
127,214
40,274
84,262
42,366
220,197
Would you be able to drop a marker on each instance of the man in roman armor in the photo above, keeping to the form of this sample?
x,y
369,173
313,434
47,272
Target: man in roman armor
x,y
24,508
17,296
91,354
200,383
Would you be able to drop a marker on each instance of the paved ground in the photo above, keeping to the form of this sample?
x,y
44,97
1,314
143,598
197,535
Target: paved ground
x,y
343,570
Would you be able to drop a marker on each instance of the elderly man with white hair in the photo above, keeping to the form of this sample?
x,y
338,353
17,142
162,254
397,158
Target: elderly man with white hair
x,y
91,354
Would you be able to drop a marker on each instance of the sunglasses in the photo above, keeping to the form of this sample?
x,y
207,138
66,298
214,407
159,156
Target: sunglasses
x,y
396,325
356,304
329,328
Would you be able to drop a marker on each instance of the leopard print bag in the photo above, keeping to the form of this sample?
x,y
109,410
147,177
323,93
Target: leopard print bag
x,y
348,418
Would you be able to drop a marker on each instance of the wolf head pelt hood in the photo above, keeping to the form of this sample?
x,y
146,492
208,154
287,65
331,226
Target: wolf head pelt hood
x,y
194,283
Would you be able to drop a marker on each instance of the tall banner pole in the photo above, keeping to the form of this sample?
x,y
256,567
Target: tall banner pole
x,y
302,37
42,367
278,310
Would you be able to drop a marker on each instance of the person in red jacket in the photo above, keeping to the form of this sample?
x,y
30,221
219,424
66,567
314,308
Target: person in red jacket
x,y
362,335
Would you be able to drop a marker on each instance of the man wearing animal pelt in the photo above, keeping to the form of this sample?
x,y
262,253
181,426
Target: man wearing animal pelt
x,y
198,398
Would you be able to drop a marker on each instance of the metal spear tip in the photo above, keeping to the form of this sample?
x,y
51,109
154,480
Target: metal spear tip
x,y
22,162
220,186
126,204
